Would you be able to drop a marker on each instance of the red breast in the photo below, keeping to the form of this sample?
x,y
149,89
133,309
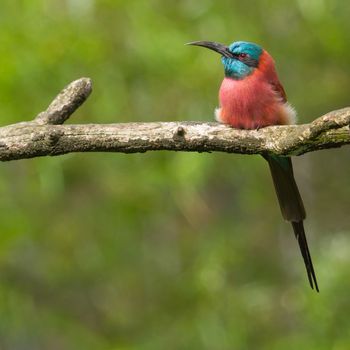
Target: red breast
x,y
256,101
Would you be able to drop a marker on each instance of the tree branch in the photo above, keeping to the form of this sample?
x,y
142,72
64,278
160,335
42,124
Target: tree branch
x,y
45,137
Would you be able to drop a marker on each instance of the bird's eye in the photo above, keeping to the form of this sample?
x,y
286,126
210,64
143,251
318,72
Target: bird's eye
x,y
242,55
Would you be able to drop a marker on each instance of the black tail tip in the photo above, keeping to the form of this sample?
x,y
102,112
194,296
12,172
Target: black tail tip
x,y
313,284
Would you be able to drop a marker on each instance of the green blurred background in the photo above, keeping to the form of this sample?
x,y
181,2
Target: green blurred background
x,y
169,250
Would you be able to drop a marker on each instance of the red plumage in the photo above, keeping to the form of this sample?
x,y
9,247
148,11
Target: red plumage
x,y
256,101
251,97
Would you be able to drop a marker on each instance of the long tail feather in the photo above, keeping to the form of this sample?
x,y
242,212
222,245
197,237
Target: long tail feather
x,y
299,232
292,207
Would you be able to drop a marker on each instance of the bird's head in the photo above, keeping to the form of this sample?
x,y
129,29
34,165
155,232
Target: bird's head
x,y
240,59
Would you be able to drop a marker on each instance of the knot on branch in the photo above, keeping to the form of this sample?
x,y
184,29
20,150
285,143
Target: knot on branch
x,y
179,134
180,131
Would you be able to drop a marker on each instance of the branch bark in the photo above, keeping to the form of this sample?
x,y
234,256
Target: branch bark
x,y
44,136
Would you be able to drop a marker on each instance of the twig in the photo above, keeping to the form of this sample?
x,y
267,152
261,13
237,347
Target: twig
x,y
66,102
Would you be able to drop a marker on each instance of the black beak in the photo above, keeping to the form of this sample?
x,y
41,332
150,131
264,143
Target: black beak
x,y
217,47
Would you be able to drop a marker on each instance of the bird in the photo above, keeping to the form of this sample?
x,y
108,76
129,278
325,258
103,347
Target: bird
x,y
252,97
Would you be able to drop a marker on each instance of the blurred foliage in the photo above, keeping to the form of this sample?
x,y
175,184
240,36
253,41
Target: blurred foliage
x,y
169,250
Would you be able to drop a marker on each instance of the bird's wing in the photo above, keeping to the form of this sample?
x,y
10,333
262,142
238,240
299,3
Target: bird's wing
x,y
277,86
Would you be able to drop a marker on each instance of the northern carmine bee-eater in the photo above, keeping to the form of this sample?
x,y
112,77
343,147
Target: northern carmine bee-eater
x,y
252,97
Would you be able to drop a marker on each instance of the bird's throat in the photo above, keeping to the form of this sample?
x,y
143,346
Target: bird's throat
x,y
235,69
